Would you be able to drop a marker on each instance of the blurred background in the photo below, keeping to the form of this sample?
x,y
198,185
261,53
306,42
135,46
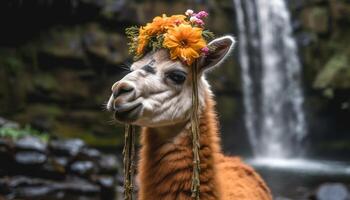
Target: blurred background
x,y
283,97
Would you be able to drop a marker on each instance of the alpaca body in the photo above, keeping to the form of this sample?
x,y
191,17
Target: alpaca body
x,y
165,166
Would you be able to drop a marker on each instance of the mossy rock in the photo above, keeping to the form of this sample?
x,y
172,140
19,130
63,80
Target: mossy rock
x,y
107,47
335,74
68,130
85,43
316,19
226,107
45,82
340,9
225,78
64,43
40,116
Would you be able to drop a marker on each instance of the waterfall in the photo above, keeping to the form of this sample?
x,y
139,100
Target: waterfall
x,y
271,74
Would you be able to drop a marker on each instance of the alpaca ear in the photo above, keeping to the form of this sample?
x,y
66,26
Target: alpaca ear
x,y
220,48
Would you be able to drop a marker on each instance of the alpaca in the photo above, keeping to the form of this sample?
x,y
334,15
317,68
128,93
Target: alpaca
x,y
156,95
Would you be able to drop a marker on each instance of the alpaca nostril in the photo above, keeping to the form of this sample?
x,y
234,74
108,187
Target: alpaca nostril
x,y
122,90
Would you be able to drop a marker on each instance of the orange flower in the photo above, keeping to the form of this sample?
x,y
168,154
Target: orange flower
x,y
160,25
142,41
176,19
184,42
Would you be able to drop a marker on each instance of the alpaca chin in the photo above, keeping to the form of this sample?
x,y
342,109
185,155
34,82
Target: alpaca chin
x,y
128,114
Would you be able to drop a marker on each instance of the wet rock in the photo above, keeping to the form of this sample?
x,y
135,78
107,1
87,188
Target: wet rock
x,y
33,191
70,147
17,181
62,161
31,143
30,158
89,154
109,164
332,191
80,186
106,181
34,188
7,123
53,170
83,168
107,184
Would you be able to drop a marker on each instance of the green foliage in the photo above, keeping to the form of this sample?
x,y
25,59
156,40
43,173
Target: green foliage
x,y
208,35
16,133
132,34
12,62
335,74
156,43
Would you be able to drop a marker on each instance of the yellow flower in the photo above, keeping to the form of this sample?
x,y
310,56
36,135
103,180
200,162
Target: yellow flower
x,y
184,42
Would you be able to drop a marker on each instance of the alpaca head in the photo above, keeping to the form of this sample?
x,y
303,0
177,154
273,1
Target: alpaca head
x,y
158,90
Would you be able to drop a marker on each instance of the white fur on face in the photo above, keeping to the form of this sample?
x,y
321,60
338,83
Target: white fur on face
x,y
163,101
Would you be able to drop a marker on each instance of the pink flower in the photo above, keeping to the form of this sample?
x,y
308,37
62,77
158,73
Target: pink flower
x,y
189,12
201,14
196,21
205,50
199,22
193,19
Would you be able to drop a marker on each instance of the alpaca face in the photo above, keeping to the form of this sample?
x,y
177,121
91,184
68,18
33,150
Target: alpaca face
x,y
158,92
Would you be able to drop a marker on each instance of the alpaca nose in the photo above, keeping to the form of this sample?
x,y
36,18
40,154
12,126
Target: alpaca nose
x,y
121,88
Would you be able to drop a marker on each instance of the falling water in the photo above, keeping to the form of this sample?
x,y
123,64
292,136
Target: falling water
x,y
270,65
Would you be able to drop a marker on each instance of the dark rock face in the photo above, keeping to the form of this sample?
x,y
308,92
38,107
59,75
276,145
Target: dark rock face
x,y
322,37
64,169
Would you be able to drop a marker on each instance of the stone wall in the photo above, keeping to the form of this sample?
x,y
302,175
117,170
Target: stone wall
x,y
33,167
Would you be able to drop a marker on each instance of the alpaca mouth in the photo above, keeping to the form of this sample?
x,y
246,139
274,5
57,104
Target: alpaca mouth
x,y
127,113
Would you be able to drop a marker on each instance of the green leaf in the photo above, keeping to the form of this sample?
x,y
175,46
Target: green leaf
x,y
208,35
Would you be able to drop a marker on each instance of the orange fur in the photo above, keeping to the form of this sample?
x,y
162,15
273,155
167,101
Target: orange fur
x,y
165,166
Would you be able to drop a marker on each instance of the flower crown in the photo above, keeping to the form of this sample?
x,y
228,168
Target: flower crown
x,y
183,35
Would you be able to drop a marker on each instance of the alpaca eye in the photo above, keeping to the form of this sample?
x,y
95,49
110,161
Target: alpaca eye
x,y
177,77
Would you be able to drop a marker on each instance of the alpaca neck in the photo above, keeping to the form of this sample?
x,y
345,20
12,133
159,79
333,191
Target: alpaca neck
x,y
166,159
